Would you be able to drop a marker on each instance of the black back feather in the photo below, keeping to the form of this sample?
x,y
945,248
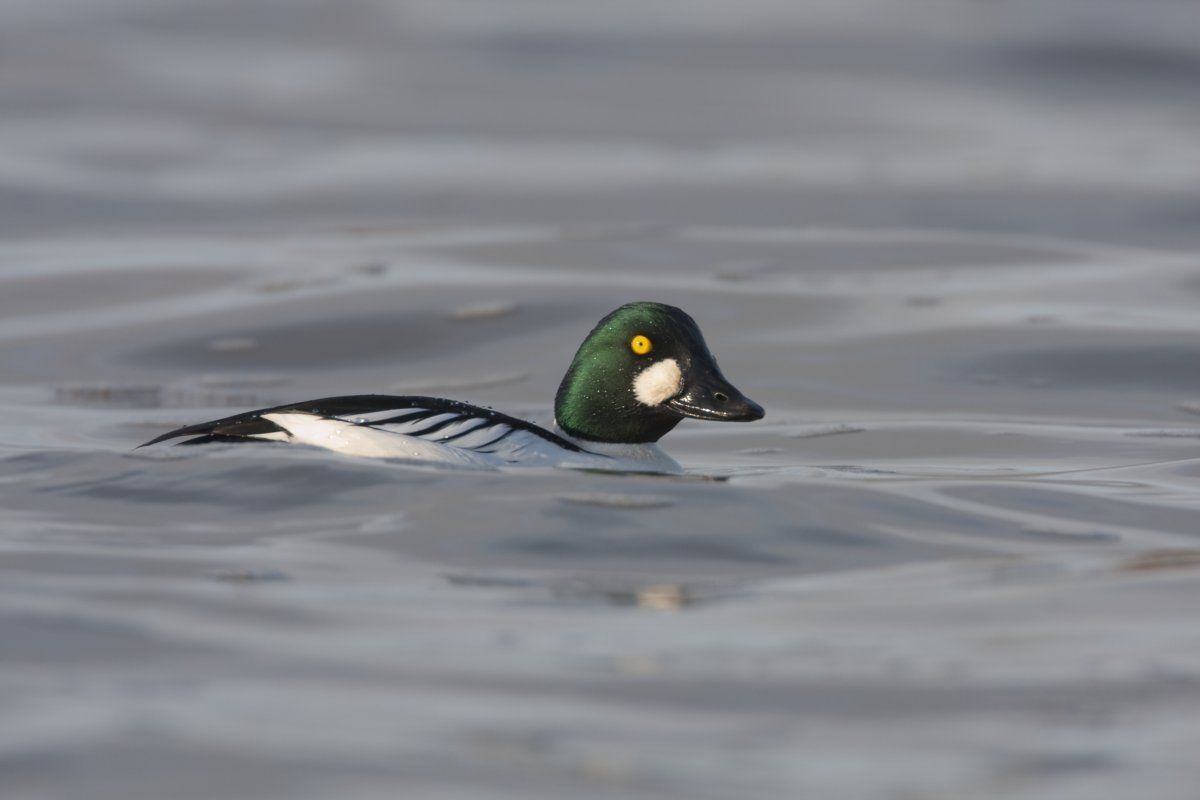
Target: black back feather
x,y
409,410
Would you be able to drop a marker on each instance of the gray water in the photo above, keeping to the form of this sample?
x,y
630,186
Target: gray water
x,y
951,247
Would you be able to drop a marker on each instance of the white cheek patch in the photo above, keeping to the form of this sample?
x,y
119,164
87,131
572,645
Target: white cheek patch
x,y
658,382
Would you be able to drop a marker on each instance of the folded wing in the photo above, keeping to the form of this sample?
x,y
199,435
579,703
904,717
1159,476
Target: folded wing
x,y
383,426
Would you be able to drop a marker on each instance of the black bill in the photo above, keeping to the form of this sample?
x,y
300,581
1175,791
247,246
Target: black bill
x,y
707,395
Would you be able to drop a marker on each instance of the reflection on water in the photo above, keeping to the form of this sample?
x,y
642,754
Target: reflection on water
x,y
946,251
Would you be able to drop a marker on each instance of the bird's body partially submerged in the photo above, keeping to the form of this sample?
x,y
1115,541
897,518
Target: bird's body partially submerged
x,y
640,371
427,429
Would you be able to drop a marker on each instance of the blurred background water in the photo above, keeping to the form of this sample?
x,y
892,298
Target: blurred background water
x,y
950,245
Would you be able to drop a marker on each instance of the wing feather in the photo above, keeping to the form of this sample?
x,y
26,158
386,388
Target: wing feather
x,y
448,422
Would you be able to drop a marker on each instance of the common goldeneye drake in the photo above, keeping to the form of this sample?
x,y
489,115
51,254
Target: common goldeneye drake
x,y
641,370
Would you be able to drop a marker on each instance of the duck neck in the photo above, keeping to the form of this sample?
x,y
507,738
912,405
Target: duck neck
x,y
593,411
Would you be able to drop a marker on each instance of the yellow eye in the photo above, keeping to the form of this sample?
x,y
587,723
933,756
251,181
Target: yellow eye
x,y
640,345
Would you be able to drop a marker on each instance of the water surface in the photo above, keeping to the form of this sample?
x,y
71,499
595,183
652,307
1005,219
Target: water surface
x,y
952,254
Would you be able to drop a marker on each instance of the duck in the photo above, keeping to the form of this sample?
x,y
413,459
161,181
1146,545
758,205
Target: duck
x,y
642,370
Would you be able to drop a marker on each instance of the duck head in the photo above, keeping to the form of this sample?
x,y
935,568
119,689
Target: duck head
x,y
641,370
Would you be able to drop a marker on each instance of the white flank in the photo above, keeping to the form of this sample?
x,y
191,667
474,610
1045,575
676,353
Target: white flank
x,y
626,458
658,382
358,440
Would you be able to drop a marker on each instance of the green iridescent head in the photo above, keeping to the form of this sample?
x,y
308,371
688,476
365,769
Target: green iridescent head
x,y
641,370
